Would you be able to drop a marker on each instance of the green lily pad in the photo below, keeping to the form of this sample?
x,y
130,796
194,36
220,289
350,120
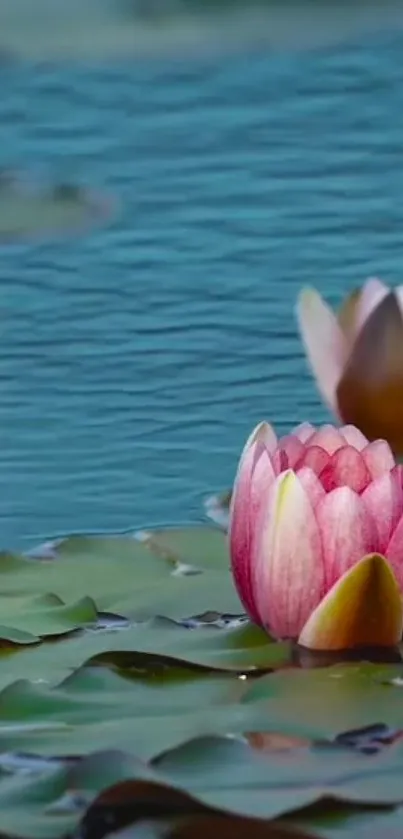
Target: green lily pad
x,y
216,769
29,210
322,703
110,789
217,508
244,651
190,549
43,615
137,711
153,27
48,800
128,802
120,575
333,820
127,668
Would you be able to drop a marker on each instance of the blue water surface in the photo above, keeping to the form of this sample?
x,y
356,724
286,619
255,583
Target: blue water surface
x,y
135,359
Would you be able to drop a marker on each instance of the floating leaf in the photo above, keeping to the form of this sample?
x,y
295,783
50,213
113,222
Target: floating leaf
x,y
49,804
216,769
108,622
26,619
334,819
119,676
267,741
241,651
194,27
28,210
203,548
231,827
115,575
132,802
217,508
131,707
323,703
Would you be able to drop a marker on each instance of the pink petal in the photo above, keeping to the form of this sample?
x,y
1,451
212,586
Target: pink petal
x,y
244,502
399,295
324,341
398,472
280,461
314,458
293,448
264,434
304,431
383,499
347,530
261,439
263,476
378,457
346,468
288,577
328,438
394,553
372,294
353,437
311,485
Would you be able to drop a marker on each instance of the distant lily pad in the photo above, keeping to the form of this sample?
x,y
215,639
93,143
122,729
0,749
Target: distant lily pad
x,y
115,28
30,210
217,508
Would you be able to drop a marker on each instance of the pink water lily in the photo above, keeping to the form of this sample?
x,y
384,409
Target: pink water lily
x,y
357,357
316,536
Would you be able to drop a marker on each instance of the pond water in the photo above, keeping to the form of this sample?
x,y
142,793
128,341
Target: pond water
x,y
135,358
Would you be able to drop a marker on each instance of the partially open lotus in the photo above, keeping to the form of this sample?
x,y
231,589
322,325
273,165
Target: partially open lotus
x,y
316,537
357,357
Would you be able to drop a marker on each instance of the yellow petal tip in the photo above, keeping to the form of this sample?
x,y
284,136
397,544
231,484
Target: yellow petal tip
x,y
363,609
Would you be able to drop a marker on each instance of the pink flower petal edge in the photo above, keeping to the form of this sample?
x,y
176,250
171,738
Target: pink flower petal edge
x,y
244,502
324,341
372,294
287,575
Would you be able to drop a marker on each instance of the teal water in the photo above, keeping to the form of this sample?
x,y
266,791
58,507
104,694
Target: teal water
x,y
135,359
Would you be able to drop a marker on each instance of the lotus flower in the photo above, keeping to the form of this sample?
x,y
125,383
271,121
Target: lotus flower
x,y
357,357
316,537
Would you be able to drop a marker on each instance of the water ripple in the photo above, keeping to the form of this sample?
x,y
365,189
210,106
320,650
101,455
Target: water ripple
x,y
134,361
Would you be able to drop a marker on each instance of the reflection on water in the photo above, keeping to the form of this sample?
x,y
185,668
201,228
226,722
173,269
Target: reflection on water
x,y
135,360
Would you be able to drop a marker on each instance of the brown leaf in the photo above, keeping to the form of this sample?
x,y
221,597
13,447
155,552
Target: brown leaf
x,y
273,742
221,827
132,801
